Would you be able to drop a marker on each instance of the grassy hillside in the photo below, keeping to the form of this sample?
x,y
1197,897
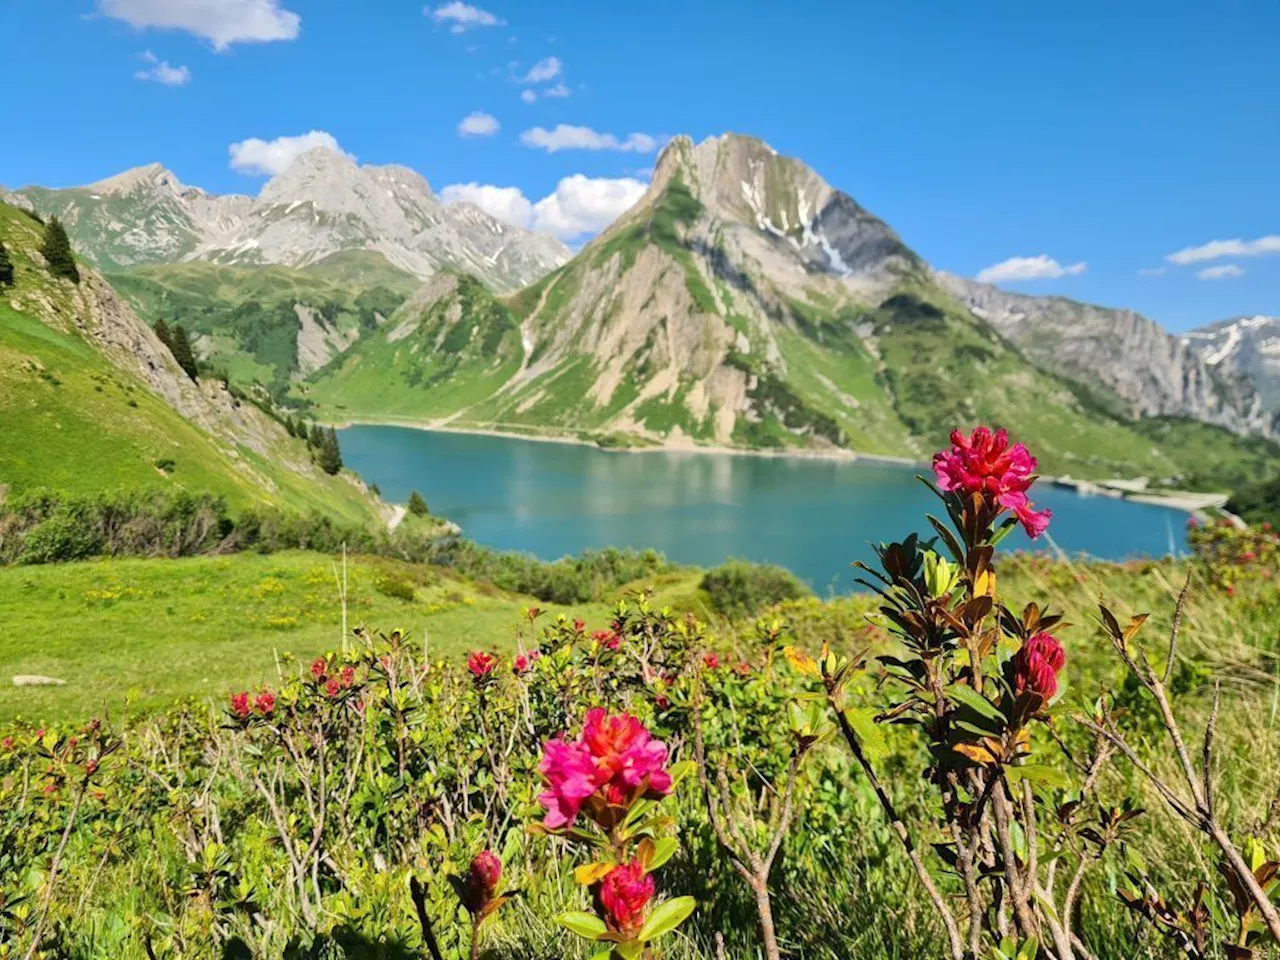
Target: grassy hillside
x,y
74,420
154,631
248,321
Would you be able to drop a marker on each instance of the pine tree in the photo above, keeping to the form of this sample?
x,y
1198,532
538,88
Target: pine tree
x,y
6,268
417,506
315,439
180,346
328,456
162,331
57,251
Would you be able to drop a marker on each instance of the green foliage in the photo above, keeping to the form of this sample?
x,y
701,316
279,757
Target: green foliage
x,y
1258,502
57,252
162,332
6,267
180,346
740,590
417,506
328,454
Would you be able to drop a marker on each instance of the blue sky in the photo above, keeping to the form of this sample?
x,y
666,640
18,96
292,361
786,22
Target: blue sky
x,y
1108,135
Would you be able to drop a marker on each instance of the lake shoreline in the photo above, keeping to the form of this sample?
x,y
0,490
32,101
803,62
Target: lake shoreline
x,y
1184,501
834,454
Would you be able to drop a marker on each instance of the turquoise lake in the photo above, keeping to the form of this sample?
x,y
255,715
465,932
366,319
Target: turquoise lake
x,y
811,516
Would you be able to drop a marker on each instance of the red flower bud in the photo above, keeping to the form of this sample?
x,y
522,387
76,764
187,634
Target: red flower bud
x,y
711,661
481,884
1036,666
624,897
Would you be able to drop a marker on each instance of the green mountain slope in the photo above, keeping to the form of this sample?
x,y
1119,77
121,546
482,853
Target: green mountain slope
x,y
90,400
268,324
742,303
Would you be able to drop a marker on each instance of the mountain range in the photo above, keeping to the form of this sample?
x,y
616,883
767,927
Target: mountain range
x,y
323,204
1246,347
742,302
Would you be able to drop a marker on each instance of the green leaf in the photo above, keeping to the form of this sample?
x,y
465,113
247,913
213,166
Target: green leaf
x,y
603,954
1038,773
583,924
669,915
630,950
870,736
679,771
971,698
663,850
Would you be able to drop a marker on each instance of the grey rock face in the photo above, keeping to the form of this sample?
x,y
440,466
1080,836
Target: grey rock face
x,y
322,204
1244,346
1153,372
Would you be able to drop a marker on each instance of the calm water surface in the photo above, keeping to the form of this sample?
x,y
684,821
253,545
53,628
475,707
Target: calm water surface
x,y
812,516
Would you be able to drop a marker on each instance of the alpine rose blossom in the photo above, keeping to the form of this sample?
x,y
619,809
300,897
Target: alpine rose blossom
x,y
626,756
265,703
481,884
985,463
616,759
481,663
240,704
624,897
570,773
318,667
521,664
1037,664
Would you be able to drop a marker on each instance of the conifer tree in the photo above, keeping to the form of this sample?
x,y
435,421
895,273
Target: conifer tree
x,y
417,506
329,457
57,251
180,346
162,331
315,439
6,268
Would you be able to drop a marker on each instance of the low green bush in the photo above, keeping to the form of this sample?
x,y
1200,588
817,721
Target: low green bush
x,y
739,589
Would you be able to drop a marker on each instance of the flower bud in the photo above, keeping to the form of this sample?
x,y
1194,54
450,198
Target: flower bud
x,y
624,897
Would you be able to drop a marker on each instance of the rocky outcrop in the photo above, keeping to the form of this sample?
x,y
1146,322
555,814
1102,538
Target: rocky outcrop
x,y
1151,371
1243,346
322,204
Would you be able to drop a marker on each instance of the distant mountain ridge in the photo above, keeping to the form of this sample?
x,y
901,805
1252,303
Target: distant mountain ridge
x,y
1151,371
745,302
324,203
1243,347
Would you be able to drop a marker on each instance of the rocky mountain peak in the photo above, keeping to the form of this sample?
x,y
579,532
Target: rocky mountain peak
x,y
153,176
1243,346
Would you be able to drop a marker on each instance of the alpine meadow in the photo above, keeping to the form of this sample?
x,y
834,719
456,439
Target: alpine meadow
x,y
408,569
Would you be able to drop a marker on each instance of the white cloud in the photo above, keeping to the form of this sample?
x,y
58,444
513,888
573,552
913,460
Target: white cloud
x,y
528,96
1152,271
559,90
584,205
543,70
508,204
1220,273
579,206
462,17
1216,249
478,124
161,72
1042,267
221,22
566,137
266,158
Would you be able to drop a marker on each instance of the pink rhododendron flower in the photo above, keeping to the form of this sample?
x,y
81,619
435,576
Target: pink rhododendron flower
x,y
521,664
240,704
626,756
607,639
348,676
333,687
265,703
1037,664
711,661
318,667
744,669
614,763
481,663
570,773
624,897
579,626
985,463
